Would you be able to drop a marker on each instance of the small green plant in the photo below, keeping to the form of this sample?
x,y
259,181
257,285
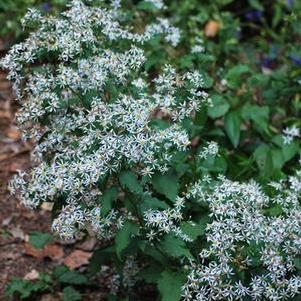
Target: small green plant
x,y
26,288
11,13
62,279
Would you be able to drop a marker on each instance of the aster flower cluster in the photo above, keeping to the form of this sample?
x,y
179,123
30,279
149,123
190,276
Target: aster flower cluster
x,y
210,150
253,241
165,221
92,111
290,133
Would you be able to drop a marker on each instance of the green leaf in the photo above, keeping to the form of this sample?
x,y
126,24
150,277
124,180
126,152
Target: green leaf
x,y
232,127
219,107
147,6
70,294
234,75
258,80
128,181
25,288
38,239
59,271
166,184
170,284
297,263
277,15
256,4
194,230
106,200
154,253
259,116
290,150
73,277
174,246
263,158
215,164
159,124
208,81
124,237
277,158
276,210
253,251
101,257
152,273
152,203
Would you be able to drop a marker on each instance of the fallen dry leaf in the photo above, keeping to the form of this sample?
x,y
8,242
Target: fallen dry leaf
x,y
7,221
31,251
47,206
77,259
17,232
53,251
13,133
14,166
32,275
212,28
49,297
195,141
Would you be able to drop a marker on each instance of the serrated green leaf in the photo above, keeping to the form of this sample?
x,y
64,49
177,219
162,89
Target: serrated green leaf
x,y
147,6
128,181
152,203
259,115
232,127
73,277
290,150
256,4
39,240
170,284
106,200
215,164
207,80
297,263
71,294
219,107
263,158
234,77
277,158
275,210
174,246
124,237
25,288
194,230
166,184
152,273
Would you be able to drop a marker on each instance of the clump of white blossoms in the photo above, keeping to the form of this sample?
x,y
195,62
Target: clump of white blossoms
x,y
198,47
165,221
290,133
210,150
159,4
91,109
253,242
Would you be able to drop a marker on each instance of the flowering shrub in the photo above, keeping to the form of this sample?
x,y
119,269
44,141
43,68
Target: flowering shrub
x,y
119,142
253,241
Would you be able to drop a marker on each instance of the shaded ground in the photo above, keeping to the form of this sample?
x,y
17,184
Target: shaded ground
x,y
17,257
16,221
